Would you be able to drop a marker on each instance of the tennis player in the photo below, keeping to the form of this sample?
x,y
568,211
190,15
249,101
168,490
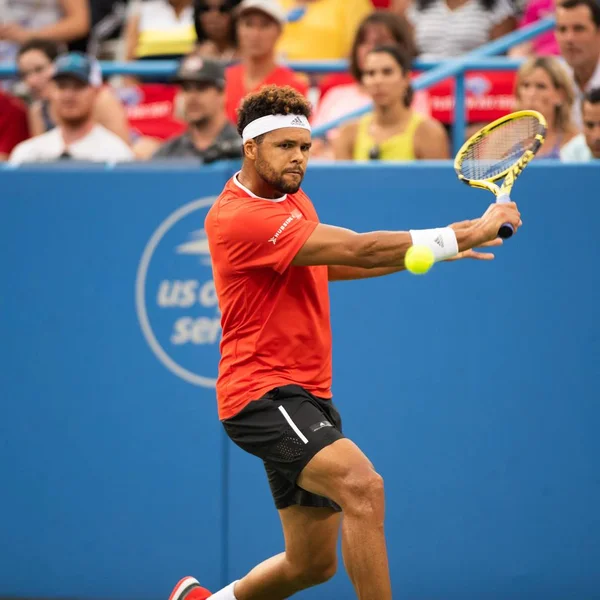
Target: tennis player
x,y
272,261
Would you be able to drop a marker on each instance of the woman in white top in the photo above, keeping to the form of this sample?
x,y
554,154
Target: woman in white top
x,y
447,28
160,29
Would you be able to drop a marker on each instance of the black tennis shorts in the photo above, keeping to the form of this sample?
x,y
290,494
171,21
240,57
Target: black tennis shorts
x,y
286,428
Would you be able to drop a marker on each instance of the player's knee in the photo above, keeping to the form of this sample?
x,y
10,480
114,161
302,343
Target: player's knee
x,y
322,570
363,496
316,569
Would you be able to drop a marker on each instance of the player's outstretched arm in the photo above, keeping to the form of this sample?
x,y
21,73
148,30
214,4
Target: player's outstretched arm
x,y
329,245
341,273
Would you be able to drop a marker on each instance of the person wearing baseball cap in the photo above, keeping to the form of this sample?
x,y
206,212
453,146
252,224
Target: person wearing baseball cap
x,y
77,136
35,62
259,27
79,67
272,8
210,136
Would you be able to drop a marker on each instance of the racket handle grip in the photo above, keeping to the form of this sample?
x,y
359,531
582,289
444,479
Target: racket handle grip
x,y
507,229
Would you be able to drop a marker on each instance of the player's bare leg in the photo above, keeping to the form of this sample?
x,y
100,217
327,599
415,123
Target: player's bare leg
x,y
343,473
310,556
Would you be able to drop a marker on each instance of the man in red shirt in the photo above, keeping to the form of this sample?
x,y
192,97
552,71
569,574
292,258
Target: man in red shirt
x,y
272,261
259,25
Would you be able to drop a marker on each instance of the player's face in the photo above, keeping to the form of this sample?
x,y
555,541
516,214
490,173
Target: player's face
x,y
591,127
35,69
282,158
375,34
201,102
577,35
74,100
257,34
537,91
384,79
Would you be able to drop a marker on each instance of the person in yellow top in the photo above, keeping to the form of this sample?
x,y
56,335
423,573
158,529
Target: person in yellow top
x,y
320,29
393,130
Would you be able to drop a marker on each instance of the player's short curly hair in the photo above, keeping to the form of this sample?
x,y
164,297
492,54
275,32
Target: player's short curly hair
x,y
271,100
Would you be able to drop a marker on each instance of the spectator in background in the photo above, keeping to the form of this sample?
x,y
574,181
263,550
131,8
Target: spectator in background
x,y
578,36
160,29
320,29
393,131
64,21
259,25
543,84
544,44
379,28
215,29
34,63
586,146
210,135
78,136
13,124
447,28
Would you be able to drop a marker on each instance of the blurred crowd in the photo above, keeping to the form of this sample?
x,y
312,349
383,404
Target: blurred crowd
x,y
61,106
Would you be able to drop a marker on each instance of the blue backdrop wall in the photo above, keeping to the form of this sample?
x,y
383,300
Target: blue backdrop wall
x,y
473,389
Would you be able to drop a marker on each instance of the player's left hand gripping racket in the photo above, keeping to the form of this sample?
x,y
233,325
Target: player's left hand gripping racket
x,y
499,150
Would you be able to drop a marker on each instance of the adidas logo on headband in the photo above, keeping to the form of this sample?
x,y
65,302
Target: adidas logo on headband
x,y
271,123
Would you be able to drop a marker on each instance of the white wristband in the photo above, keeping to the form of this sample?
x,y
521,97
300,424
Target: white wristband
x,y
442,241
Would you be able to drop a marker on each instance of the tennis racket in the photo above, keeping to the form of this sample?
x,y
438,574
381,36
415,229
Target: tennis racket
x,y
499,150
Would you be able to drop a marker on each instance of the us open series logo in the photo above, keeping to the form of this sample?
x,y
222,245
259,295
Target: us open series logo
x,y
175,296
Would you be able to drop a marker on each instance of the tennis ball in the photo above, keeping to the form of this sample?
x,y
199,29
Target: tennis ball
x,y
419,259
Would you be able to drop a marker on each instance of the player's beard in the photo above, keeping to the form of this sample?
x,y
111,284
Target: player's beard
x,y
275,180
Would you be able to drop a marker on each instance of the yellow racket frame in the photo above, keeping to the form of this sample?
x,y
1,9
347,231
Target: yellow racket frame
x,y
512,172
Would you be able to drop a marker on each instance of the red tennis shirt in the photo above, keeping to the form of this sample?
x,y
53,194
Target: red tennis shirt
x,y
274,316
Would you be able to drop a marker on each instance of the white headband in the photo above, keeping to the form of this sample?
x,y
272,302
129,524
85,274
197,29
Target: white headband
x,y
271,123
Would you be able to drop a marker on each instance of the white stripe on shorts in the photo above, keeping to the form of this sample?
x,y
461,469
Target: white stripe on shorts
x,y
292,424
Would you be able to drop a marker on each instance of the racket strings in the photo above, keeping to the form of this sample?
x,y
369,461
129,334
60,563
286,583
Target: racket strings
x,y
500,149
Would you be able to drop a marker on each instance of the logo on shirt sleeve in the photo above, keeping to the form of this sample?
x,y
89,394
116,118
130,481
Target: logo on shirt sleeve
x,y
295,214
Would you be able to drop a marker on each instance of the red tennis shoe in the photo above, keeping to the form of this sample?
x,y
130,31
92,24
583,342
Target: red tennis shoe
x,y
188,588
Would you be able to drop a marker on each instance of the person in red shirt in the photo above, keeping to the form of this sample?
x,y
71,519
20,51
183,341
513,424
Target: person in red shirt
x,y
259,25
272,261
13,124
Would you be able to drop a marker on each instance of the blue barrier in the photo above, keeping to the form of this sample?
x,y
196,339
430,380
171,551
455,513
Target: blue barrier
x,y
473,389
167,68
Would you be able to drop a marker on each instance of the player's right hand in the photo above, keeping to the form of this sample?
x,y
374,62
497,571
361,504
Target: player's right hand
x,y
494,217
